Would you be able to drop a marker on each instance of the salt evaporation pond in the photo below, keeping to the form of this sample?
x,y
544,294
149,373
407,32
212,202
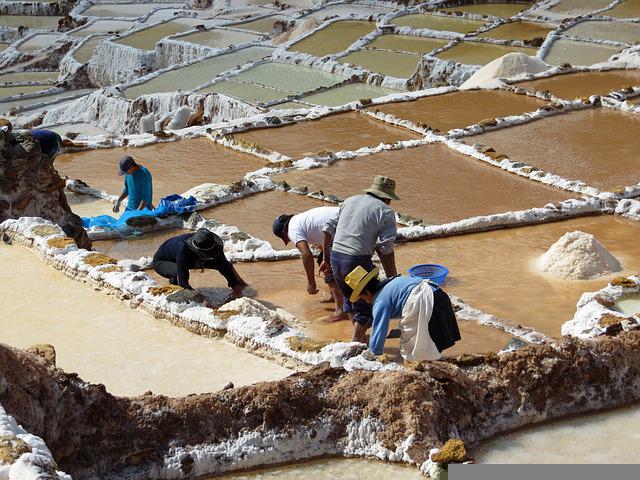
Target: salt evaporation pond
x,y
21,90
407,43
330,469
87,205
244,91
594,145
85,52
578,53
198,73
335,38
438,22
15,77
625,32
294,78
346,131
346,10
262,25
434,183
103,26
27,103
585,84
157,356
346,94
518,31
40,41
478,53
513,285
448,111
128,10
394,64
616,432
626,9
578,7
146,39
36,22
176,166
220,38
494,9
629,306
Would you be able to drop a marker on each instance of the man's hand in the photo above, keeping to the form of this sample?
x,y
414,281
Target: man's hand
x,y
237,291
116,207
325,267
312,289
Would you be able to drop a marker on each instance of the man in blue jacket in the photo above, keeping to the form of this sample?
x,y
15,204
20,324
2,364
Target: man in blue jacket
x,y
138,185
427,321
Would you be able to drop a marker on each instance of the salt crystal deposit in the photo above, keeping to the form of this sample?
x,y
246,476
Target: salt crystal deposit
x,y
578,256
512,66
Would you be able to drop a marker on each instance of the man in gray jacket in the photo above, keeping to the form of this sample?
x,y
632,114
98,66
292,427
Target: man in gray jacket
x,y
365,224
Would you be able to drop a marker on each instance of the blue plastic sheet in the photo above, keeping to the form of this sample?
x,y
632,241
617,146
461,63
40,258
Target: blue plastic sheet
x,y
169,205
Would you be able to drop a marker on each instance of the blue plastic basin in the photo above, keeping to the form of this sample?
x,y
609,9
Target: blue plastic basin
x,y
431,271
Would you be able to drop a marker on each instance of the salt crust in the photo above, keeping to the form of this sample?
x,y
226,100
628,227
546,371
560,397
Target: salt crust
x,y
37,464
578,256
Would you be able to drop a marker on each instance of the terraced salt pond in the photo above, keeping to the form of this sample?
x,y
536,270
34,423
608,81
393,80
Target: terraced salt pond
x,y
515,282
26,103
579,7
131,9
346,93
88,206
347,131
245,91
394,64
335,38
346,10
220,38
595,146
518,31
40,41
85,52
477,53
146,39
262,25
407,43
584,84
578,53
103,26
629,306
36,22
21,90
626,9
493,9
18,77
448,111
198,73
103,340
176,166
458,186
294,78
625,32
438,22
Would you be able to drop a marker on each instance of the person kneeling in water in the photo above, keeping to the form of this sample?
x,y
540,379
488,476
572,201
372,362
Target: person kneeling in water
x,y
203,249
427,321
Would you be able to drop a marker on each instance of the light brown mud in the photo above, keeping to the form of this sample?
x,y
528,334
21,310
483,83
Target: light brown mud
x,y
461,109
575,85
495,271
596,146
175,166
345,131
255,214
434,183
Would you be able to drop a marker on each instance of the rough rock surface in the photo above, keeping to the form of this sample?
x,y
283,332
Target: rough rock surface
x,y
30,186
93,434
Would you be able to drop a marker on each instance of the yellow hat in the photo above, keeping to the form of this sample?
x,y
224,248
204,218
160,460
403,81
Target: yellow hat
x,y
358,279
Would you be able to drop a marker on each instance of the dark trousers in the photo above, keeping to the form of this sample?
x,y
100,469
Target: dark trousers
x,y
167,270
342,265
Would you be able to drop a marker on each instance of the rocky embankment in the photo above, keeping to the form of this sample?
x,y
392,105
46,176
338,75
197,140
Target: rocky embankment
x,y
30,186
398,415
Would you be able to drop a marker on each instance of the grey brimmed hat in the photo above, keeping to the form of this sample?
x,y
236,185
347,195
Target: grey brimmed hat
x,y
383,187
126,163
206,244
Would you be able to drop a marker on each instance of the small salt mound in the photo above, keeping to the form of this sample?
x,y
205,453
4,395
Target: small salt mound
x,y
513,66
578,256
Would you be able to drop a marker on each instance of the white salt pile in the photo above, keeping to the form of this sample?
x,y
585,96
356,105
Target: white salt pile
x,y
513,66
578,256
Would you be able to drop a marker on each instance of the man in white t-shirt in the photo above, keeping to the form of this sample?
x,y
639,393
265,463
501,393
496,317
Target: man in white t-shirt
x,y
305,230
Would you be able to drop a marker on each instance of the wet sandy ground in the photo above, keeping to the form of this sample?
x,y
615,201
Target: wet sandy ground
x,y
574,85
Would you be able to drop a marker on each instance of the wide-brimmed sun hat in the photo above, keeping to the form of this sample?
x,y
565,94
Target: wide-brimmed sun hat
x,y
358,279
125,164
383,187
280,227
206,244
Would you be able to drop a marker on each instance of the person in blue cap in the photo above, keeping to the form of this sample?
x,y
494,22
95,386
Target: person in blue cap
x,y
50,142
138,186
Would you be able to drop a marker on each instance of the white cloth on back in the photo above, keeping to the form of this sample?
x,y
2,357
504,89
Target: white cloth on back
x,y
415,341
309,225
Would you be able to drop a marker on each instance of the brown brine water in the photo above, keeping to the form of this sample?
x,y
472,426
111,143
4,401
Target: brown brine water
x,y
584,84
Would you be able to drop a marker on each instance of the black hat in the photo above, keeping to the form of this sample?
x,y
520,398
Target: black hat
x,y
126,163
280,227
206,244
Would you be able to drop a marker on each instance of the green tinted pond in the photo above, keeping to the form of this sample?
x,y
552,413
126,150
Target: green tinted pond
x,y
518,31
617,31
30,21
294,78
262,25
85,52
399,65
249,92
21,89
346,94
578,53
626,9
407,43
335,38
146,39
19,77
438,22
476,53
220,38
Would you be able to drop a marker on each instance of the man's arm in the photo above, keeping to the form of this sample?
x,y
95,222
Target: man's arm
x,y
388,263
326,253
227,270
183,270
143,205
379,328
123,195
309,267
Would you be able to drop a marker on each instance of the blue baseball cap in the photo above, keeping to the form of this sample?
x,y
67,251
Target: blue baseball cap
x,y
126,163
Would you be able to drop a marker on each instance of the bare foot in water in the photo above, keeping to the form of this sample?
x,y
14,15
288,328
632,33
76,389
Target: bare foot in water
x,y
336,317
327,298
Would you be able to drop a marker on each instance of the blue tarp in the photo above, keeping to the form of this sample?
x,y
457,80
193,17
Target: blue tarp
x,y
169,205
